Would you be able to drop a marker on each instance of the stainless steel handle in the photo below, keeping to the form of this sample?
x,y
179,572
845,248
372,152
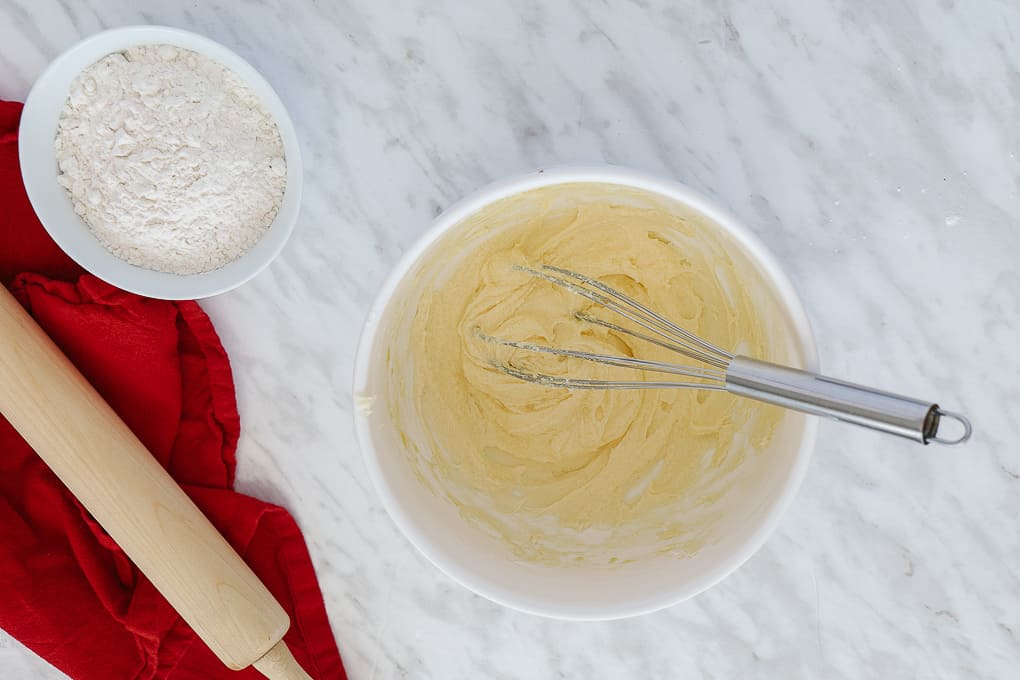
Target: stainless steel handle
x,y
812,393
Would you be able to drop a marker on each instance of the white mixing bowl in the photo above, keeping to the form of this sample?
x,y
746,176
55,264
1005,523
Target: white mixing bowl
x,y
745,515
53,206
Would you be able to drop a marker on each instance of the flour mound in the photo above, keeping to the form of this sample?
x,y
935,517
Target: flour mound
x,y
171,160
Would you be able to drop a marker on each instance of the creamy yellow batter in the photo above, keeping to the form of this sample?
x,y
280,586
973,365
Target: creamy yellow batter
x,y
552,470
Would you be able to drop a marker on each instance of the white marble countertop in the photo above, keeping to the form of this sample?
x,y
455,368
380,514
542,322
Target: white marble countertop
x,y
872,147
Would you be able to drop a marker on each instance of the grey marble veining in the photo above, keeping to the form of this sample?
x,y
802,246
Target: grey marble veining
x,y
871,145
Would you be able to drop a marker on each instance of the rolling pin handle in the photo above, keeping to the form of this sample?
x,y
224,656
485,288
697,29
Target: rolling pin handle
x,y
279,664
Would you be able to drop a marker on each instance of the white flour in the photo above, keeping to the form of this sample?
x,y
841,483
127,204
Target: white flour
x,y
170,159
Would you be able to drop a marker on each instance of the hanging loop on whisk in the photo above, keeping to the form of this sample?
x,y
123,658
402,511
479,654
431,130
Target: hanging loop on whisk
x,y
952,415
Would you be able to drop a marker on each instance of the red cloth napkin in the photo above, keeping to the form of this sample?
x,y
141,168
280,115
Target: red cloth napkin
x,y
69,593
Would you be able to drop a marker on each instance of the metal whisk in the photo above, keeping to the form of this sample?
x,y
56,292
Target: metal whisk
x,y
772,383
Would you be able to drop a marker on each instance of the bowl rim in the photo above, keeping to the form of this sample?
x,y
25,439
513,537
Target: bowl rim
x,y
132,278
601,174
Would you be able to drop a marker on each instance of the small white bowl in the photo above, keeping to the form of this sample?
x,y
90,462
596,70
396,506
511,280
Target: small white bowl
x,y
53,206
748,512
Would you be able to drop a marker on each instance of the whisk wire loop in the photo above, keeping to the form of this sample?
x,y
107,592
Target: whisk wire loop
x,y
653,318
662,333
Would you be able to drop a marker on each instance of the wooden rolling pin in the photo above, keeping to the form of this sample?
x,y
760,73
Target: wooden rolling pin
x,y
133,498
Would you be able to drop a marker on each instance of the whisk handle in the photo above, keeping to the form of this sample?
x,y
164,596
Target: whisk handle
x,y
819,395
